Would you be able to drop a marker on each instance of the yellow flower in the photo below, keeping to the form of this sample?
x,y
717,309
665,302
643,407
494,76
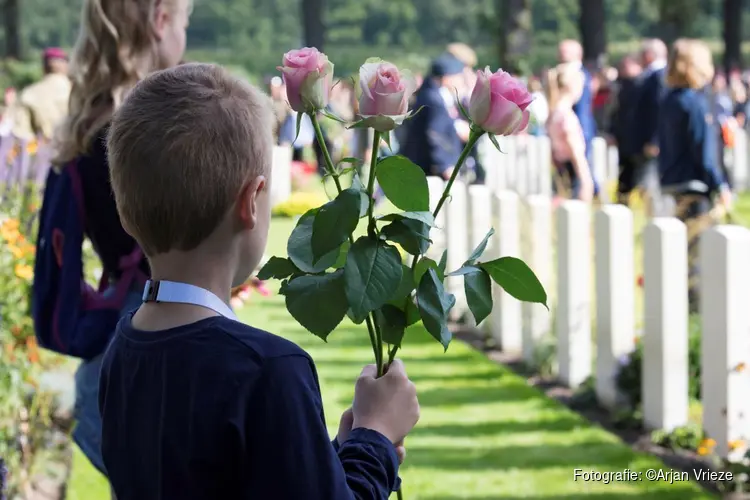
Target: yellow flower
x,y
702,451
17,252
24,271
733,445
11,224
32,147
707,443
29,249
740,367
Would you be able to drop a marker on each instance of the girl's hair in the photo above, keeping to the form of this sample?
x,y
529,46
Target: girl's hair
x,y
690,64
115,49
561,78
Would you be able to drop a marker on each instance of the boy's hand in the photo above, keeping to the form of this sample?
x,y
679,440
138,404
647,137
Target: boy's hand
x,y
345,427
387,404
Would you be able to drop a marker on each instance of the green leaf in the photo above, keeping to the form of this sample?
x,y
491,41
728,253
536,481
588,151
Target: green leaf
x,y
493,138
318,303
425,217
461,271
335,222
332,116
299,124
516,278
434,305
372,274
364,198
443,263
478,288
462,109
412,313
424,264
405,287
392,323
351,160
299,246
404,183
386,138
277,268
479,250
412,235
343,252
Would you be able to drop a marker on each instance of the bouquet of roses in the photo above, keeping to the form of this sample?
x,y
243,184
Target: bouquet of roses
x,y
329,273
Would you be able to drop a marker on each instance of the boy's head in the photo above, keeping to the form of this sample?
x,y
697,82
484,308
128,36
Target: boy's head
x,y
190,154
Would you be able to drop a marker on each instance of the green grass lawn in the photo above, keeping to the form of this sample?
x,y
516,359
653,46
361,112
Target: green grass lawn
x,y
484,433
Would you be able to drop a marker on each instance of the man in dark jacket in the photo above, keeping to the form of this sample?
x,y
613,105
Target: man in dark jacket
x,y
432,141
623,126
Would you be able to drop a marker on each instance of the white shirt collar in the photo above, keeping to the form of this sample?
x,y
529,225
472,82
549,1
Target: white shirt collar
x,y
656,65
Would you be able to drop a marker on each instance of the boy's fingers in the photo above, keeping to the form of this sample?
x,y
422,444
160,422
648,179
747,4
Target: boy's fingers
x,y
396,369
369,371
401,454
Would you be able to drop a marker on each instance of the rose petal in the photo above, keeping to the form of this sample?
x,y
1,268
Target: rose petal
x,y
480,101
367,72
524,122
504,116
383,123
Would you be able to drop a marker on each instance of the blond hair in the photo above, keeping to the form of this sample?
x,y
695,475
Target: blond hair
x,y
690,64
562,78
116,48
463,53
181,147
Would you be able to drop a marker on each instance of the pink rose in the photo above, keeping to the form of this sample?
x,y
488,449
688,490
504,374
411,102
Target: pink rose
x,y
308,76
498,103
384,102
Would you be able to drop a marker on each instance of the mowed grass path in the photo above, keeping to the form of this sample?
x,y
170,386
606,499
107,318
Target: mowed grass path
x,y
484,433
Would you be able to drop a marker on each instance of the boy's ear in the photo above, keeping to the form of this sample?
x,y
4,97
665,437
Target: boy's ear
x,y
160,20
247,205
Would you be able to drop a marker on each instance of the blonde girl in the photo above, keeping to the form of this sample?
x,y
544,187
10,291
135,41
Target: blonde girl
x,y
566,83
119,42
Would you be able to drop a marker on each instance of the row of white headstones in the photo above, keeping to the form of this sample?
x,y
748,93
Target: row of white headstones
x,y
516,201
520,327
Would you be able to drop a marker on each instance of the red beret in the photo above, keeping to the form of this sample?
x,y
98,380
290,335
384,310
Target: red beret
x,y
54,53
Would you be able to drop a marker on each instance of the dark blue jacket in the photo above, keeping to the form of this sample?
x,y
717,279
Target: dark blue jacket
x,y
432,141
584,110
653,89
687,144
623,124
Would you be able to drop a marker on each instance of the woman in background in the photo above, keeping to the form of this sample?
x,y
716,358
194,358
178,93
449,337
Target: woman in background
x,y
688,163
566,135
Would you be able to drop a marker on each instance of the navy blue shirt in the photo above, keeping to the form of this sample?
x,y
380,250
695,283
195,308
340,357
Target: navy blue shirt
x,y
218,409
687,144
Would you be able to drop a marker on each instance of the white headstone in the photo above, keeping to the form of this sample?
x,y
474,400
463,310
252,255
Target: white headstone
x,y
509,145
741,162
480,214
574,292
522,165
437,233
457,224
600,167
281,184
665,336
505,320
532,165
725,346
537,252
545,165
613,164
615,296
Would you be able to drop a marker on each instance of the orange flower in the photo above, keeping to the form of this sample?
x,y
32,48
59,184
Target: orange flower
x,y
17,252
32,350
708,443
12,236
702,451
740,367
10,224
24,272
32,147
9,348
16,330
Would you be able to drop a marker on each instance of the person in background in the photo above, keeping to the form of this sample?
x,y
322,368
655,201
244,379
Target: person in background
x,y
739,97
571,52
539,107
687,147
566,135
653,88
6,117
724,121
280,104
44,104
624,127
288,136
432,141
118,42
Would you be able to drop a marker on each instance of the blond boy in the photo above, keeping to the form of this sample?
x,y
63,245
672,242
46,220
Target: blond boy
x,y
196,405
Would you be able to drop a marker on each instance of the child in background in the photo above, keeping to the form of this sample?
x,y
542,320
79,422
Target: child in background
x,y
196,405
120,41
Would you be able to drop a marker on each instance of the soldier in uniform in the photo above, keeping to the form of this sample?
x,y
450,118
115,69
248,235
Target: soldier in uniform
x,y
44,104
